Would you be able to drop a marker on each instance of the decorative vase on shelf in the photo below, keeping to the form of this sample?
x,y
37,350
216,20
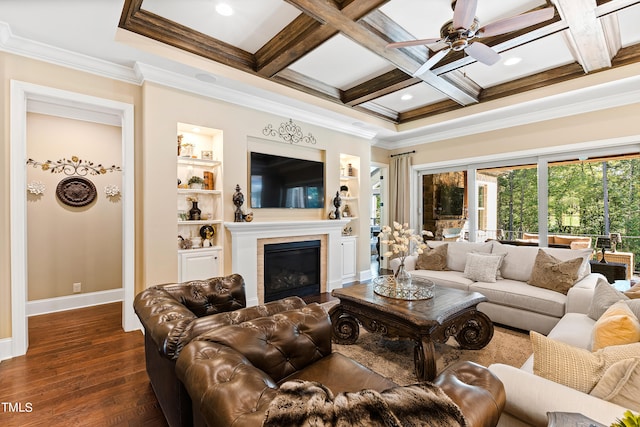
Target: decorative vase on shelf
x,y
403,278
194,212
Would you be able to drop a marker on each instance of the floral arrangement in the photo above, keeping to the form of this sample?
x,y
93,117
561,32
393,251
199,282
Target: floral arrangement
x,y
401,241
629,420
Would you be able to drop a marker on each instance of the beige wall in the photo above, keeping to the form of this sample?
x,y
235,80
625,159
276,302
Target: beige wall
x,y
596,126
36,72
72,244
164,107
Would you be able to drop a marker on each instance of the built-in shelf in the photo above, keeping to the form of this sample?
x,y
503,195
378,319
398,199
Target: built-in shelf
x,y
188,251
203,146
201,222
198,191
187,161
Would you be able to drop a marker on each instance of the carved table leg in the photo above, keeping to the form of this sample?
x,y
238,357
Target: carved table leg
x,y
424,359
345,327
476,332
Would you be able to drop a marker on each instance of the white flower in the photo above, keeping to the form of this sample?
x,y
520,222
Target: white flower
x,y
112,190
36,187
400,239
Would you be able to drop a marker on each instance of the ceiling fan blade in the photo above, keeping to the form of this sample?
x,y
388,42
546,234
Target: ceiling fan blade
x,y
433,60
516,22
482,53
464,13
413,42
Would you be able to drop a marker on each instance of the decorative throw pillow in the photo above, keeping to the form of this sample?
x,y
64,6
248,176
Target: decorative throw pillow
x,y
634,291
551,273
605,296
620,384
575,367
482,268
501,254
618,325
433,258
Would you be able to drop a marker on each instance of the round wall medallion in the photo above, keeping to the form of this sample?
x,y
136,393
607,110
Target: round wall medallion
x,y
76,191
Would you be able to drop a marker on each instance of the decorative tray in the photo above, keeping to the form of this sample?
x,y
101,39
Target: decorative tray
x,y
420,289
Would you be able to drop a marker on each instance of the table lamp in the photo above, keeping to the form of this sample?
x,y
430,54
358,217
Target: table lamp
x,y
604,243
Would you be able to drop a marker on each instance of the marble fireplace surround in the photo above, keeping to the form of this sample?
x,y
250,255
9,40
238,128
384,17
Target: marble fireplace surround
x,y
247,250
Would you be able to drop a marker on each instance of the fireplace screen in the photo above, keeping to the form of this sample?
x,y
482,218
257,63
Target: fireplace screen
x,y
291,269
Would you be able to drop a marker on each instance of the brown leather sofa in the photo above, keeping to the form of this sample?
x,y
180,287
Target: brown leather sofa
x,y
233,373
173,314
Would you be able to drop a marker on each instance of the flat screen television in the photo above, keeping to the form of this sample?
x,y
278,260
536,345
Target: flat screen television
x,y
286,182
450,200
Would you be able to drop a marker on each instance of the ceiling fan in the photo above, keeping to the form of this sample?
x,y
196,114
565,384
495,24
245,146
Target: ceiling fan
x,y
459,33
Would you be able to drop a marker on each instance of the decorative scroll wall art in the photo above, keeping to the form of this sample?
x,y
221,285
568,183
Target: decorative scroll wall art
x,y
75,190
289,132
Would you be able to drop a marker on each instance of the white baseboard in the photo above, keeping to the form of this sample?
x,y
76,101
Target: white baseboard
x,y
365,276
5,349
71,302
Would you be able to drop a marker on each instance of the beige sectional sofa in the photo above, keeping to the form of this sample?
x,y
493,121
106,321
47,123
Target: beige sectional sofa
x,y
530,397
512,301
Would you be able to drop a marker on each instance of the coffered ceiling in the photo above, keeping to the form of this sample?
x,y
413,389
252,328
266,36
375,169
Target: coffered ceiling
x,y
337,49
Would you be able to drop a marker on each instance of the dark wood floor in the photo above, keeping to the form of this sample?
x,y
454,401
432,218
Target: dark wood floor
x,y
81,369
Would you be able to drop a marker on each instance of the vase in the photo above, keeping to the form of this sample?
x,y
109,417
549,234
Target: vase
x,y
403,278
194,212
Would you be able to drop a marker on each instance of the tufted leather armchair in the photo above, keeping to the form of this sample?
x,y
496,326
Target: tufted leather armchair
x,y
233,373
173,314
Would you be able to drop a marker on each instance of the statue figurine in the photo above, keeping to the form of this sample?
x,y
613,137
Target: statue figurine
x,y
337,201
238,200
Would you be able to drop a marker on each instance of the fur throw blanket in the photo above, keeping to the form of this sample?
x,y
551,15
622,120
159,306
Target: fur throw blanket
x,y
310,404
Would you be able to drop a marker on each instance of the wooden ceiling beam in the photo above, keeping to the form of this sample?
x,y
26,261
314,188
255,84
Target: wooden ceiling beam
x,y
384,84
325,12
303,35
156,27
585,36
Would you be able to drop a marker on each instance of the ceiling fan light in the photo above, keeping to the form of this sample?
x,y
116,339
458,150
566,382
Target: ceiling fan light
x,y
224,9
512,61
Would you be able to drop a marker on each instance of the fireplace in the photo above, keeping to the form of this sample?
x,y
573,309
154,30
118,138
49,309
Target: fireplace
x,y
291,268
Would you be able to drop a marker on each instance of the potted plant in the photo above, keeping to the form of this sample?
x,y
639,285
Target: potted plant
x,y
629,420
196,182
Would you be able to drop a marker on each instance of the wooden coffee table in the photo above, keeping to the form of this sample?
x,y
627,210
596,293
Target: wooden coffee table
x,y
451,312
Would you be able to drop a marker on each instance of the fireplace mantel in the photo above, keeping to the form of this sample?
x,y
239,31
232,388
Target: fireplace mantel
x,y
244,248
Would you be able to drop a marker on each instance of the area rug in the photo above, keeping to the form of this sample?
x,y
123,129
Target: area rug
x,y
393,358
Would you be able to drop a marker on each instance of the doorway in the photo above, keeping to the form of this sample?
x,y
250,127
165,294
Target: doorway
x,y
27,97
378,197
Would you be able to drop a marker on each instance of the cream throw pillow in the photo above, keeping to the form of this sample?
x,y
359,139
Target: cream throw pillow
x,y
618,325
575,367
482,268
620,384
433,258
551,273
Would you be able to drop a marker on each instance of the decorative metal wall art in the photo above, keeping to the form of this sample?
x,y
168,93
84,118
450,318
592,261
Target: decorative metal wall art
x,y
76,191
73,166
289,132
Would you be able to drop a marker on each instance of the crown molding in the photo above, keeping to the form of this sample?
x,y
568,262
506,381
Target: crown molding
x,y
283,107
593,98
43,52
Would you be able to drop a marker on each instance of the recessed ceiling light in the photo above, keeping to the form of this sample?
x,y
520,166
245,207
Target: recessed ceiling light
x,y
512,61
196,130
406,97
224,9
